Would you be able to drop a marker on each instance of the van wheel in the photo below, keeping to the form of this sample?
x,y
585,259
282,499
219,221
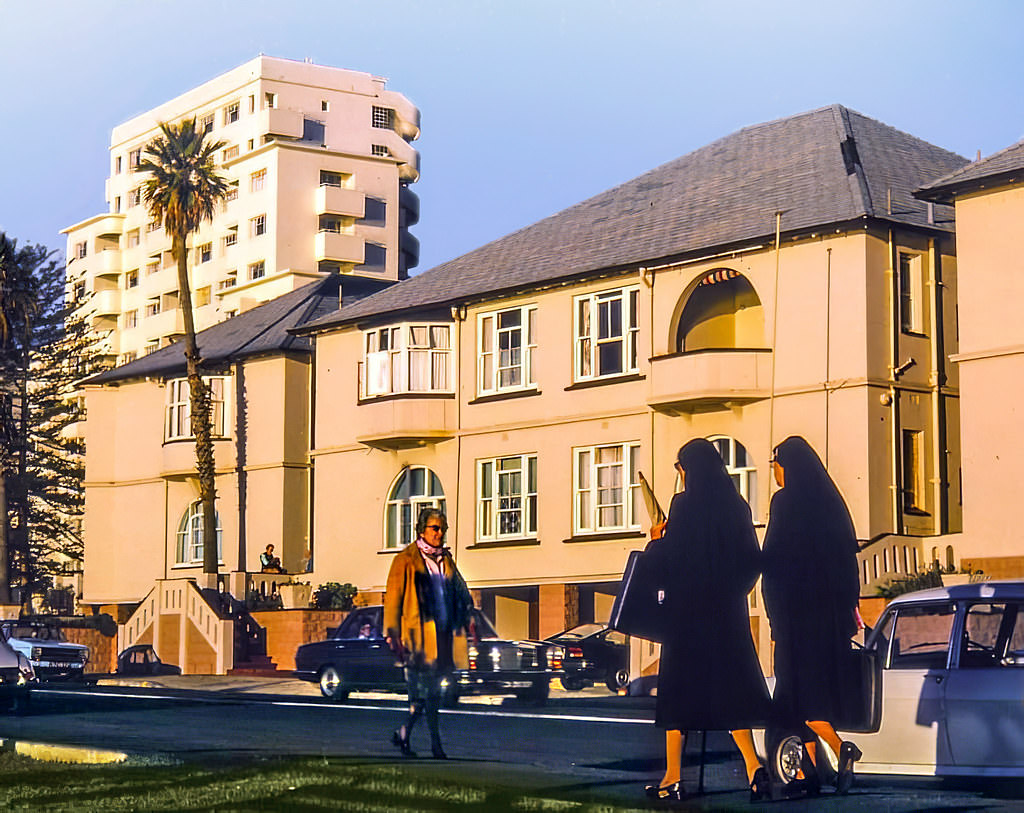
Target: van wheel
x,y
332,685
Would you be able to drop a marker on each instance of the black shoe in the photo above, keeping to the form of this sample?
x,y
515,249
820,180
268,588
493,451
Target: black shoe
x,y
760,786
848,754
438,751
673,792
402,744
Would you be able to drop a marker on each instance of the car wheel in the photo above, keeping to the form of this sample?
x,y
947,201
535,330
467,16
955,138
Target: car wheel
x,y
572,684
536,694
785,750
617,679
332,685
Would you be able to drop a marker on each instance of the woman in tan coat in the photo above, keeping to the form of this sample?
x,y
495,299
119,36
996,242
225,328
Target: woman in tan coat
x,y
427,618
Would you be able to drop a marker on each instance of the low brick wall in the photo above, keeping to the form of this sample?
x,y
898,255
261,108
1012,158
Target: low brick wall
x,y
102,649
288,629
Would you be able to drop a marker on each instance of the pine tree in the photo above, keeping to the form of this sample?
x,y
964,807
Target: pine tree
x,y
44,350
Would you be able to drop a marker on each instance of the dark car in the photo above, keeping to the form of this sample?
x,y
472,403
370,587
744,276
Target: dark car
x,y
142,660
356,657
594,653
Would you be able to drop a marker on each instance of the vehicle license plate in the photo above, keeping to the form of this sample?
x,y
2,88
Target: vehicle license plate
x,y
60,664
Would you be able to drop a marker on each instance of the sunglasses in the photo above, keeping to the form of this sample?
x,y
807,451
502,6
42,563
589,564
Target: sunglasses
x,y
440,528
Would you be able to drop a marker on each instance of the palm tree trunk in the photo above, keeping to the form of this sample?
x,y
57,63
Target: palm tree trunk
x,y
199,405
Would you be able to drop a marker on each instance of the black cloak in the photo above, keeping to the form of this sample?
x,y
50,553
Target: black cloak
x,y
811,588
709,677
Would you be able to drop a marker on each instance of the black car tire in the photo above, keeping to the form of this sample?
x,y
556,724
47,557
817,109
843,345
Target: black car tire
x,y
332,684
573,684
617,679
536,694
784,752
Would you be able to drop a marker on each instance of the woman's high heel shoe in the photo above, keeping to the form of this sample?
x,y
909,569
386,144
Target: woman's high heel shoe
x,y
848,754
402,744
760,786
673,792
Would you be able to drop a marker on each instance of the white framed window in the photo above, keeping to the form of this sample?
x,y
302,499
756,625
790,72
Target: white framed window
x,y
257,270
415,488
257,225
153,308
269,100
257,180
231,113
232,193
178,411
379,150
406,358
740,466
331,178
152,267
153,225
117,165
606,328
204,253
131,278
81,250
131,239
506,343
134,157
231,237
383,118
134,197
130,319
911,273
78,293
230,153
206,123
506,504
228,282
126,358
189,550
606,488
117,204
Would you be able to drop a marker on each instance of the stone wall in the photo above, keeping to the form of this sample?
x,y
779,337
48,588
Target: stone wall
x,y
288,629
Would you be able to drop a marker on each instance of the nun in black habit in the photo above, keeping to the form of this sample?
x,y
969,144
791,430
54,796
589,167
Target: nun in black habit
x,y
811,591
709,676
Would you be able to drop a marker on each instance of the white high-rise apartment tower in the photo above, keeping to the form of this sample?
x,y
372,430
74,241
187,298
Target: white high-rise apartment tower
x,y
319,161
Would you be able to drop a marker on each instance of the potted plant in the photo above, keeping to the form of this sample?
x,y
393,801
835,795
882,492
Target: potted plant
x,y
295,595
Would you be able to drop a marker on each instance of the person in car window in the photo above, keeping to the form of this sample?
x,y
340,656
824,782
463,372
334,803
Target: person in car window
x,y
427,619
811,591
709,677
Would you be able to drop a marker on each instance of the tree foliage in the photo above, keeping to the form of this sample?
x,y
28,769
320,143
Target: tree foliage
x,y
183,190
44,349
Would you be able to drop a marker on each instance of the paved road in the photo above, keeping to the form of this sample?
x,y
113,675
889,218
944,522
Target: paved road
x,y
591,746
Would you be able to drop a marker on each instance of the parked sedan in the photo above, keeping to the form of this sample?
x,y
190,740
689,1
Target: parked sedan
x,y
593,653
948,687
142,660
356,657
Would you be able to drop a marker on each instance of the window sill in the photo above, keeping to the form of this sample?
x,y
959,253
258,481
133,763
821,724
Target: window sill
x,y
505,396
518,542
190,439
914,511
395,396
610,379
609,536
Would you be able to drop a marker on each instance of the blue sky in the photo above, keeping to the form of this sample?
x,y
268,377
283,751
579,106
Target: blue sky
x,y
527,107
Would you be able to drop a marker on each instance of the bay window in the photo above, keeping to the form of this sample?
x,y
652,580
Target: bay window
x,y
178,410
406,358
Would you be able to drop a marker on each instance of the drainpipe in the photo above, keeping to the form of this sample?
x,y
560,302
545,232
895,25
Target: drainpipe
x,y
894,396
775,350
647,275
311,477
240,463
828,342
941,480
458,314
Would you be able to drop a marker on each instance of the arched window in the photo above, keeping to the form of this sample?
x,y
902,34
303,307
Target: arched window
x,y
190,536
740,468
416,487
723,311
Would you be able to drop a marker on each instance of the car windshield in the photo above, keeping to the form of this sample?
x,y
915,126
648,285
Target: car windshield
x,y
582,631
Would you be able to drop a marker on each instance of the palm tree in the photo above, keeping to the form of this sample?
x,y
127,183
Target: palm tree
x,y
183,190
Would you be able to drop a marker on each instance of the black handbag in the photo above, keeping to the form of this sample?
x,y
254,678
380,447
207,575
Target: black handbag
x,y
861,692
639,607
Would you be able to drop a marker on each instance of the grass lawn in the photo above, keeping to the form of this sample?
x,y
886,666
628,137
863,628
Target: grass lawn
x,y
285,784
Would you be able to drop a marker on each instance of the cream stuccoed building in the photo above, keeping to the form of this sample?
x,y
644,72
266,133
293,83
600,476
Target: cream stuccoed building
x,y
781,280
319,161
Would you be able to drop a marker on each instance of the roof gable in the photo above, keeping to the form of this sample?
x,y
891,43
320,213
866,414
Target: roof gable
x,y
1005,166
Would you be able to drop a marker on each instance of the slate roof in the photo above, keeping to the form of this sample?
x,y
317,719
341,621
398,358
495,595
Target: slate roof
x,y
827,166
1005,166
262,330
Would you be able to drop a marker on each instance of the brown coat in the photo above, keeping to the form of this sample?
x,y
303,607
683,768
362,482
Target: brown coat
x,y
407,615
